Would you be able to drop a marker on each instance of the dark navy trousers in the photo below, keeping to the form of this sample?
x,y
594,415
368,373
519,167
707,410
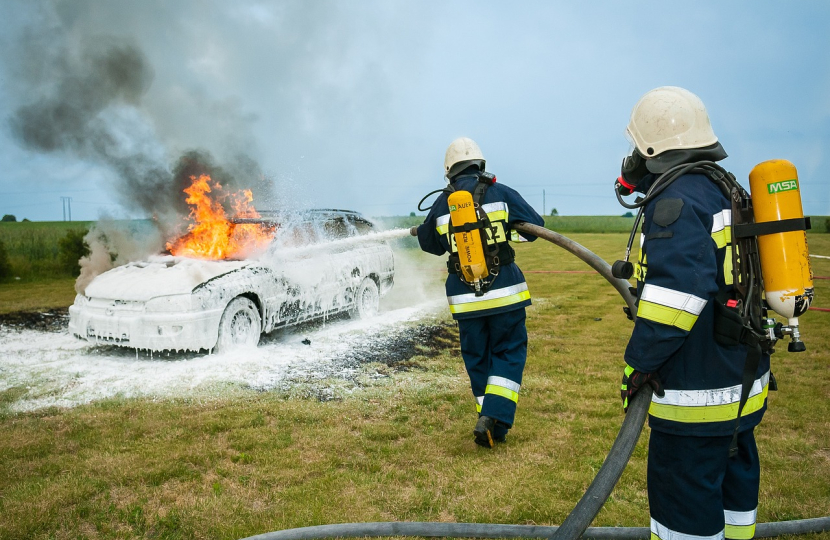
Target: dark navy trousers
x,y
695,488
494,348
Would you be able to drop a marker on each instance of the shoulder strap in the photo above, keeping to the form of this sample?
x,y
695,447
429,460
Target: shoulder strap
x,y
494,255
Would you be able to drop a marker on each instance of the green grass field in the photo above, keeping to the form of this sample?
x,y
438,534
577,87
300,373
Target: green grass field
x,y
400,449
33,247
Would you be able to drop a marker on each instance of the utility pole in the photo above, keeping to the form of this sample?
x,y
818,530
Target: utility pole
x,y
66,202
543,202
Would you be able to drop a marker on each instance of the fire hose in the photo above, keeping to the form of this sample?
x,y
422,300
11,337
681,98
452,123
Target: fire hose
x,y
576,523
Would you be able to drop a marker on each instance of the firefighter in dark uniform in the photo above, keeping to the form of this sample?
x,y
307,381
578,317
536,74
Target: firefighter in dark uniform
x,y
697,488
491,325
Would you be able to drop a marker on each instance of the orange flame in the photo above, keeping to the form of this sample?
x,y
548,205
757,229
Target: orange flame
x,y
213,236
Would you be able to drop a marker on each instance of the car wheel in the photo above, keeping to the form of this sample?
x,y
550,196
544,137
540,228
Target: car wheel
x,y
366,299
240,325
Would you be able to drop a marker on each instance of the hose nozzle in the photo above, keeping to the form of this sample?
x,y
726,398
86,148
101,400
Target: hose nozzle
x,y
622,269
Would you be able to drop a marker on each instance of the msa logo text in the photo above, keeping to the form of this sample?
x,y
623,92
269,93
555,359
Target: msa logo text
x,y
785,185
453,208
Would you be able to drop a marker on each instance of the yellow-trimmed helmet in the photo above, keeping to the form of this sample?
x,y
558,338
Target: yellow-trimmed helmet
x,y
669,118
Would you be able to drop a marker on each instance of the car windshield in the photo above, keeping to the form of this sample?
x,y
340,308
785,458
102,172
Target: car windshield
x,y
311,227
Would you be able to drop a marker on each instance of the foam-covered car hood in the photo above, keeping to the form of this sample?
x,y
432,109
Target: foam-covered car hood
x,y
158,276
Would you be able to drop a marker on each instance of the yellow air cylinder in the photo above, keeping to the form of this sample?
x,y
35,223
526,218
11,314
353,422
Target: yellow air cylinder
x,y
785,261
470,249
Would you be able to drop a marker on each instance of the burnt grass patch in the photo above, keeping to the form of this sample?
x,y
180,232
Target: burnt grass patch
x,y
399,350
53,320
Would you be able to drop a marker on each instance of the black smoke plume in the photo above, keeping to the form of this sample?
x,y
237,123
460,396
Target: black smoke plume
x,y
93,111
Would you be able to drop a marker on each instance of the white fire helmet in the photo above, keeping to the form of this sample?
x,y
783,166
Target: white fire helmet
x,y
669,118
461,150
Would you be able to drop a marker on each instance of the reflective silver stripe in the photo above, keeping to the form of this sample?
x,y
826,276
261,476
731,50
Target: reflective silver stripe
x,y
707,398
443,220
740,518
504,383
488,208
489,295
722,228
664,533
642,240
480,400
721,220
673,299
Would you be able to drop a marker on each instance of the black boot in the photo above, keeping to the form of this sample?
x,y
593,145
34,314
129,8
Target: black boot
x,y
483,431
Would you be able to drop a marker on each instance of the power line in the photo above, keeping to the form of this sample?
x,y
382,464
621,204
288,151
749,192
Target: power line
x,y
28,205
49,191
98,203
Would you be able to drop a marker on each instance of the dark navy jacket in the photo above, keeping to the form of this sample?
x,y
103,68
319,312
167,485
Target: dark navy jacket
x,y
685,258
504,206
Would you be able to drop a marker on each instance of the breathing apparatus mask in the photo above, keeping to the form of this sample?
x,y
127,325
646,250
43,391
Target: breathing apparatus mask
x,y
632,171
669,166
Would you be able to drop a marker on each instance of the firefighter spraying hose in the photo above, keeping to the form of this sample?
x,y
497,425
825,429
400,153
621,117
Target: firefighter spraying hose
x,y
749,243
585,511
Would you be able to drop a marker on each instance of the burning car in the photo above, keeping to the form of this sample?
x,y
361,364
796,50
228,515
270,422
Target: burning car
x,y
307,266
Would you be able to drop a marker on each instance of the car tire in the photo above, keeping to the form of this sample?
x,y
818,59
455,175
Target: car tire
x,y
240,325
366,300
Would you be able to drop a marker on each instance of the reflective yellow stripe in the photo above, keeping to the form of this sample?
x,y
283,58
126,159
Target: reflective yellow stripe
x,y
503,392
710,413
490,304
499,215
722,237
497,211
727,265
666,315
740,525
739,532
722,227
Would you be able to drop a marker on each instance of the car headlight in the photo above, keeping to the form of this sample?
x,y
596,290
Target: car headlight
x,y
172,303
81,300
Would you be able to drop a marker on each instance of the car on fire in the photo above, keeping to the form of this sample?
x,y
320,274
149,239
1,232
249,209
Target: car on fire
x,y
320,263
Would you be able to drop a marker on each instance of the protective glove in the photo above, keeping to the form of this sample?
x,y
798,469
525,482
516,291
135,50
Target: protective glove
x,y
633,380
413,230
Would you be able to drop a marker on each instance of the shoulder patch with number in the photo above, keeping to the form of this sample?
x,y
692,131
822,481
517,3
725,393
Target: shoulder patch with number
x,y
667,211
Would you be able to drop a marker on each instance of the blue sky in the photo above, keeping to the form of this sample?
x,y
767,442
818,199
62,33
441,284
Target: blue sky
x,y
350,104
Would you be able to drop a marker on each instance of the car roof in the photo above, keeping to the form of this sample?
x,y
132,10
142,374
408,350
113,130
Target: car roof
x,y
311,215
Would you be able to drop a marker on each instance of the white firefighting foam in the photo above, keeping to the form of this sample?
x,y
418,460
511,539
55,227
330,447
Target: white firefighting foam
x,y
62,371
57,369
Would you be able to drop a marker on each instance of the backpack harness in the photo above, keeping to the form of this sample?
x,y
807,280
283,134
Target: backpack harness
x,y
741,316
495,254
